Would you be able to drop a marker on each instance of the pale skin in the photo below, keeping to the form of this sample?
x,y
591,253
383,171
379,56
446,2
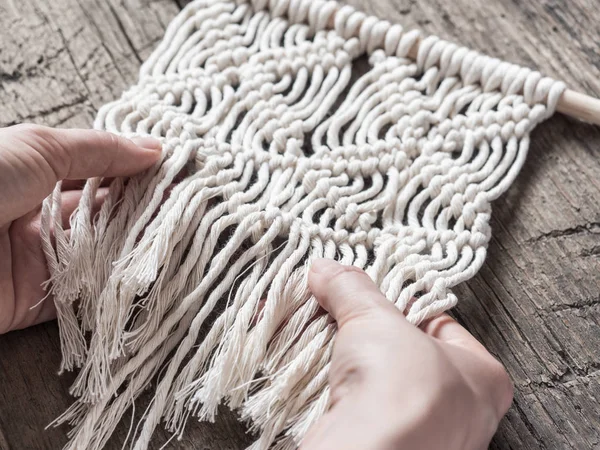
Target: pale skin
x,y
393,385
396,386
32,160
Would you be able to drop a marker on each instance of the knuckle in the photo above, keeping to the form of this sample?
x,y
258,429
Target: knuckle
x,y
359,315
344,380
503,384
29,128
113,139
45,142
24,230
111,146
38,136
452,382
346,274
498,373
24,233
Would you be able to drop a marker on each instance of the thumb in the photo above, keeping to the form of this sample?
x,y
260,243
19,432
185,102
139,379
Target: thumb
x,y
346,292
372,334
79,153
33,158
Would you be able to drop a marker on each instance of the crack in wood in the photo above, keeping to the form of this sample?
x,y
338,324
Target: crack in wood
x,y
124,32
594,251
15,75
20,73
72,59
570,377
530,427
591,228
577,305
181,3
40,114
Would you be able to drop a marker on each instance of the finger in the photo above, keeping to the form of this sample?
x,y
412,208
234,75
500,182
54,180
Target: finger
x,y
43,311
72,185
78,154
34,158
77,185
259,309
448,330
29,271
346,292
70,201
477,363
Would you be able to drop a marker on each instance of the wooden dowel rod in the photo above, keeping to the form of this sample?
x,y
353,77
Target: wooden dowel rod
x,y
580,106
571,103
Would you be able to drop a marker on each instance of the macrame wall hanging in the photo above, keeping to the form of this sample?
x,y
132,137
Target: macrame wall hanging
x,y
193,275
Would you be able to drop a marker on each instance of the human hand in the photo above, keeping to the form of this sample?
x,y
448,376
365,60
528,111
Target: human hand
x,y
32,159
395,386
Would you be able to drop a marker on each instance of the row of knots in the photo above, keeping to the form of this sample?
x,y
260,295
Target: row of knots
x,y
374,33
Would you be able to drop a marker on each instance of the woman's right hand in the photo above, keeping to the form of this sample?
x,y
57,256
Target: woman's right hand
x,y
396,386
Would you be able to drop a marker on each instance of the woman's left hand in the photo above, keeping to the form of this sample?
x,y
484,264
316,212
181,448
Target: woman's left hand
x,y
32,160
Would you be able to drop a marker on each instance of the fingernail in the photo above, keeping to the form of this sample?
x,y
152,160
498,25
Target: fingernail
x,y
147,143
324,265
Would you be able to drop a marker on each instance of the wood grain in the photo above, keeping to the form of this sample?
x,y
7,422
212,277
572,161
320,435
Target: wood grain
x,y
535,304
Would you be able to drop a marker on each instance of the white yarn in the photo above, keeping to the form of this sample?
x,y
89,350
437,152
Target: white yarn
x,y
275,154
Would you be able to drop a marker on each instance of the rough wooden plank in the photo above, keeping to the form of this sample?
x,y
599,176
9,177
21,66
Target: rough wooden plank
x,y
62,60
535,304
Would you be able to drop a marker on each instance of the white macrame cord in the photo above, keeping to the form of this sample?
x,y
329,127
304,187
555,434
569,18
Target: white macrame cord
x,y
277,150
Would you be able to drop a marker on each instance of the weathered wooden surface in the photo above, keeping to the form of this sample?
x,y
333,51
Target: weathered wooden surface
x,y
535,304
